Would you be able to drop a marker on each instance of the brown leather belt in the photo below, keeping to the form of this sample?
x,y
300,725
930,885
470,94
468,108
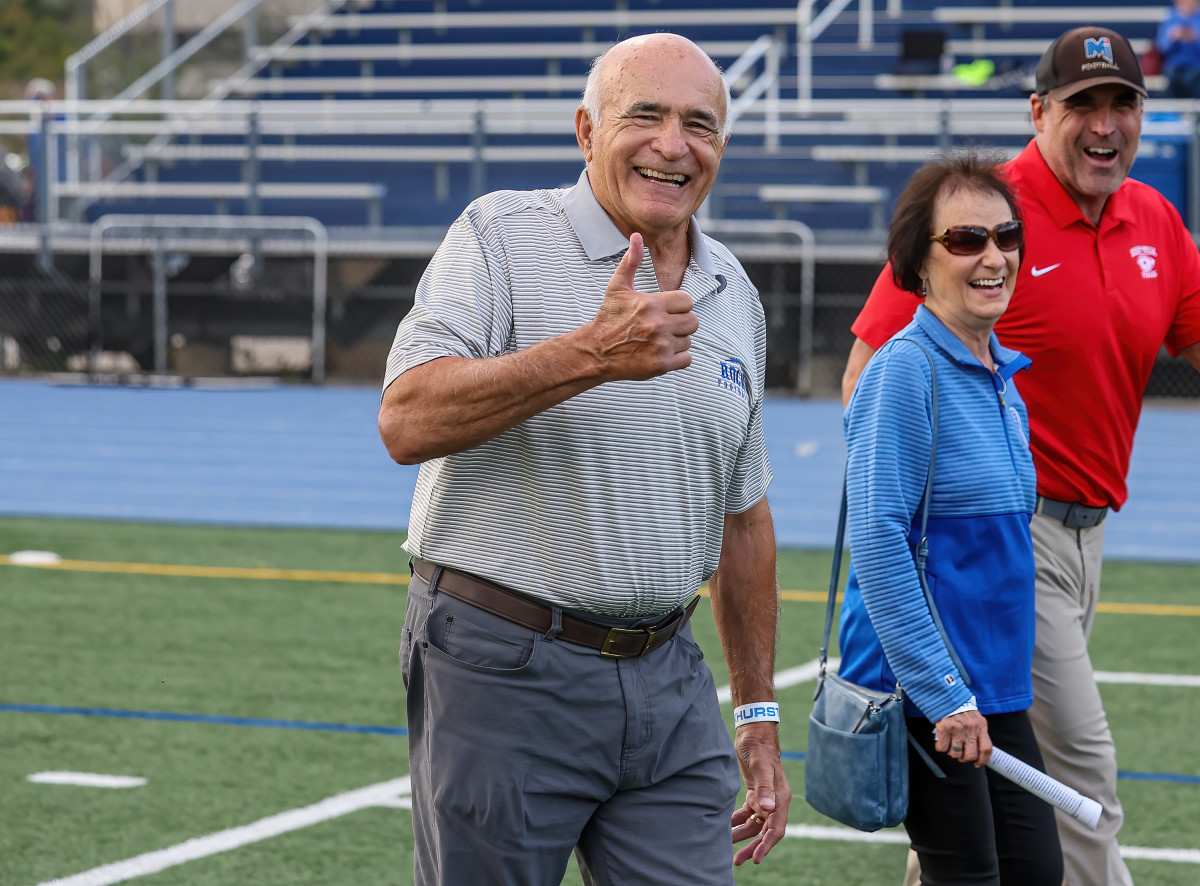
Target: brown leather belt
x,y
608,641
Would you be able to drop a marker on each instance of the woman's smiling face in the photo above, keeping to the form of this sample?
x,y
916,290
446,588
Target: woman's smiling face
x,y
969,293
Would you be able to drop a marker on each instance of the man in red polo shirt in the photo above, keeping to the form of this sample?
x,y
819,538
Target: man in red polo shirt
x,y
1110,275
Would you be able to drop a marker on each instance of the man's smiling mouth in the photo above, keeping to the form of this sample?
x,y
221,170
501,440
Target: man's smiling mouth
x,y
674,179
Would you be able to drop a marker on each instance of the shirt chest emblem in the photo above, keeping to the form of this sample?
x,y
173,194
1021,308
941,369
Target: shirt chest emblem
x,y
1147,260
732,376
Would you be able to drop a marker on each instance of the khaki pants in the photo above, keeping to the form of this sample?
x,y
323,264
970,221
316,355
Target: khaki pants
x,y
1067,713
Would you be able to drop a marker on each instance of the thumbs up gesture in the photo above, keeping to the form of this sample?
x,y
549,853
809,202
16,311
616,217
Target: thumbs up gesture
x,y
640,335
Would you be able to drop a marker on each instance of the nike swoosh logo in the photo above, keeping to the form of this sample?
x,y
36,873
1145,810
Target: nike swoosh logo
x,y
1037,272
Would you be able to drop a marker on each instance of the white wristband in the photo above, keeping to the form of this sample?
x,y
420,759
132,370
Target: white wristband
x,y
759,712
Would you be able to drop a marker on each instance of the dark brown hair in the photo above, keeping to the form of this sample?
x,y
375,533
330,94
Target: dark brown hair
x,y
908,239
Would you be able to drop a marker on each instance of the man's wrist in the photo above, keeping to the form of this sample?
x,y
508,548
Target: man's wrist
x,y
756,712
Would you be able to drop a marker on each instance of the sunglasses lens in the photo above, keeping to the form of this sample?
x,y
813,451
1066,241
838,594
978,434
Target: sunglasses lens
x,y
970,240
966,241
1009,236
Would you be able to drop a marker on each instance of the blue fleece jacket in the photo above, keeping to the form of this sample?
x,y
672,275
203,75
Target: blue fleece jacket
x,y
980,566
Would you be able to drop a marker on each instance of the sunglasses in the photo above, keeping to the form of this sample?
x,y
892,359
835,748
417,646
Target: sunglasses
x,y
972,240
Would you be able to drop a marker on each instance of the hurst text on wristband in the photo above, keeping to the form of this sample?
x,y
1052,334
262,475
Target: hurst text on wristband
x,y
759,712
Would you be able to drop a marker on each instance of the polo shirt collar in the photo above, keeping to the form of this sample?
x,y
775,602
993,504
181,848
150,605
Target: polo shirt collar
x,y
1039,179
601,238
1007,361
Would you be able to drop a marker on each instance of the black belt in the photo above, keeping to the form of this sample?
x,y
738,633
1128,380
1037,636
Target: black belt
x,y
608,641
1072,514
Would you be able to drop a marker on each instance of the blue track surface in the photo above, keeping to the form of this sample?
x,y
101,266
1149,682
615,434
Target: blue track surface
x,y
302,456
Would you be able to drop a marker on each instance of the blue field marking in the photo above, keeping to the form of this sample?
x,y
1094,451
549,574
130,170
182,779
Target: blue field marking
x,y
265,722
1158,776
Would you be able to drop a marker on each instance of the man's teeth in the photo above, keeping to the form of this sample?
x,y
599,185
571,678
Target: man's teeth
x,y
988,284
673,178
1101,152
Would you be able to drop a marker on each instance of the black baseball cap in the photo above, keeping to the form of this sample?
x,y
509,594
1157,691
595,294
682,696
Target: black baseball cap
x,y
1084,57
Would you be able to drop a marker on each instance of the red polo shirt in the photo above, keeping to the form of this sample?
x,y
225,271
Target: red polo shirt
x,y
1091,309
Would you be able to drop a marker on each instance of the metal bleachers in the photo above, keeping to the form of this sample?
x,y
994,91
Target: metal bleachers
x,y
429,103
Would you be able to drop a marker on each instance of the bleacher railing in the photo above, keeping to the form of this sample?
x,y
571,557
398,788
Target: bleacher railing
x,y
151,132
158,235
809,27
163,74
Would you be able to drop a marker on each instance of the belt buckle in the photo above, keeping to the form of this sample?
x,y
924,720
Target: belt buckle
x,y
1081,516
613,633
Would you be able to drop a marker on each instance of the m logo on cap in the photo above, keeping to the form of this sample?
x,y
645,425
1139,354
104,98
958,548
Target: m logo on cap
x,y
1098,47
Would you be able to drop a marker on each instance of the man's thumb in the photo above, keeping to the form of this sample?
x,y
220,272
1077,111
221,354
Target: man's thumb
x,y
766,797
623,277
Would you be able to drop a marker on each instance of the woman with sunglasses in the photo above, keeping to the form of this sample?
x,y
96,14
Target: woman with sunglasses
x,y
955,239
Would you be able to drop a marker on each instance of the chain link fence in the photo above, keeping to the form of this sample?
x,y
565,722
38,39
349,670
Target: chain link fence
x,y
232,314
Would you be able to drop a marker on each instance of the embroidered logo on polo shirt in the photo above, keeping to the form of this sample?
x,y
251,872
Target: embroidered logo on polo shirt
x,y
1146,258
1037,272
733,376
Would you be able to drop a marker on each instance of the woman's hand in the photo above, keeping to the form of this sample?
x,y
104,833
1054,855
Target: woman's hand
x,y
964,737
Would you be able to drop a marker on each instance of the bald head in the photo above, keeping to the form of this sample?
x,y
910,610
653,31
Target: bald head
x,y
628,54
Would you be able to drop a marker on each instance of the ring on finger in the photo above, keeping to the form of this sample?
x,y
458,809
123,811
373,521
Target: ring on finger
x,y
956,747
757,820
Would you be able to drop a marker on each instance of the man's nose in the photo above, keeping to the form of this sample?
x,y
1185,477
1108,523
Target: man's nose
x,y
1103,121
670,140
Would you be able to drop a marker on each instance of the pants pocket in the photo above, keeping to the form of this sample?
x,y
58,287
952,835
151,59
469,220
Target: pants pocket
x,y
473,638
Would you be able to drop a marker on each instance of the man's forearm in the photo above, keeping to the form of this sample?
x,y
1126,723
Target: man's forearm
x,y
453,404
745,603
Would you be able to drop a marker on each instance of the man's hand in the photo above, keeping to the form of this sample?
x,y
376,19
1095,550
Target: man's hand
x,y
639,335
763,815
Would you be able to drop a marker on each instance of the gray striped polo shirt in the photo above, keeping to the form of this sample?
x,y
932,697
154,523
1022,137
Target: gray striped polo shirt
x,y
612,502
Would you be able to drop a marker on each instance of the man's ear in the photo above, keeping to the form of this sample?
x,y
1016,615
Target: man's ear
x,y
583,133
1037,112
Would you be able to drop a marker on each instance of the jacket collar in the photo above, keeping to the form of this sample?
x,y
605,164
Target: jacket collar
x,y
1008,362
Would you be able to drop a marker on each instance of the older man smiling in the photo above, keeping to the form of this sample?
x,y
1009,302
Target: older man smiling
x,y
581,377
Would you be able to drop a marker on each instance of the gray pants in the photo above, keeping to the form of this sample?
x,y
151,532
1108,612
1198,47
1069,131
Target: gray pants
x,y
524,748
1067,714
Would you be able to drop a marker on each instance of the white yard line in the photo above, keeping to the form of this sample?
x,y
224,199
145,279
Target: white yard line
x,y
789,677
223,841
808,671
816,832
822,832
1147,679
1152,853
87,779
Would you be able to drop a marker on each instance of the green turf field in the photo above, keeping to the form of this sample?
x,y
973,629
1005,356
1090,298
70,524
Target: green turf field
x,y
317,644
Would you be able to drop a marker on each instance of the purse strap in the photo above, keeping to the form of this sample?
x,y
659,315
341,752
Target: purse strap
x,y
920,556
